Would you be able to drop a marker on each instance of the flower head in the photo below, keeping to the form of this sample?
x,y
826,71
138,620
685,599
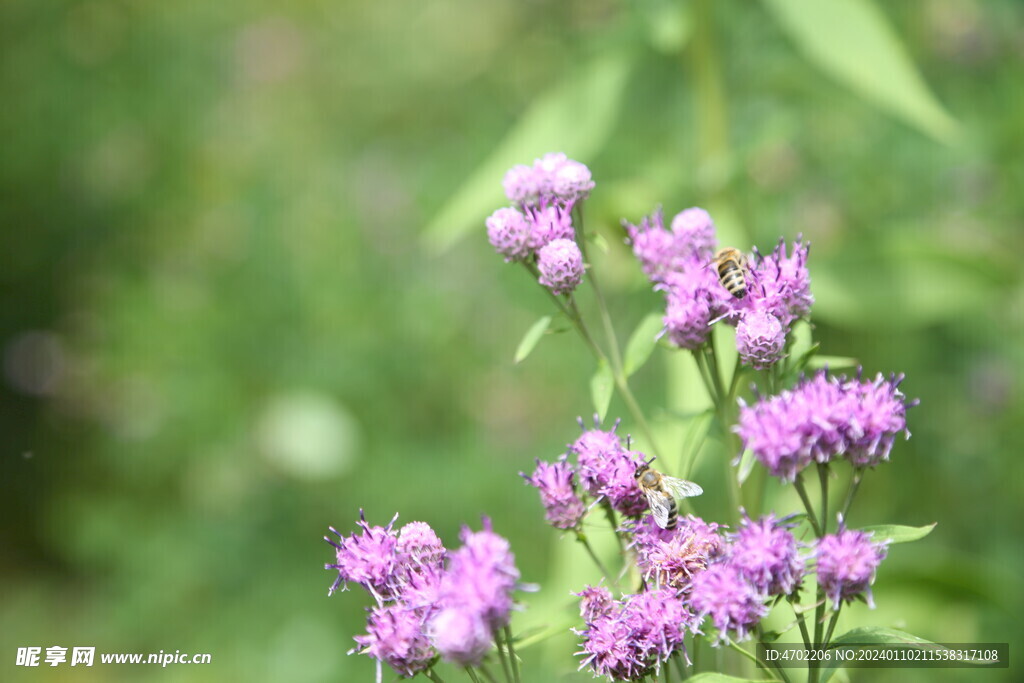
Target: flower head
x,y
663,252
549,222
609,651
419,547
510,233
460,635
879,413
606,469
595,602
781,283
673,557
733,604
593,449
481,576
368,558
658,621
691,303
552,177
765,552
395,635
760,338
846,564
556,482
560,264
694,228
823,417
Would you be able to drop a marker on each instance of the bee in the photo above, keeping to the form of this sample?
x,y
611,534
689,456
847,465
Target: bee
x,y
661,491
731,264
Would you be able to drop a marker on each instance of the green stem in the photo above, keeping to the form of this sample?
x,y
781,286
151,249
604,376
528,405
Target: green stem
x,y
832,626
472,674
858,475
502,656
823,480
432,675
609,513
512,654
802,622
716,375
698,356
582,538
487,674
798,484
757,662
680,666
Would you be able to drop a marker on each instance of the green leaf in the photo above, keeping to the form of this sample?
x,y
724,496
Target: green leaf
x,y
894,533
871,634
746,466
642,343
714,677
601,386
531,338
852,41
816,362
576,117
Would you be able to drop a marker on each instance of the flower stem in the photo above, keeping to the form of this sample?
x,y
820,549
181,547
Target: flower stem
x,y
582,538
823,480
432,675
502,656
832,626
610,514
798,483
487,674
512,654
802,622
472,674
858,475
680,666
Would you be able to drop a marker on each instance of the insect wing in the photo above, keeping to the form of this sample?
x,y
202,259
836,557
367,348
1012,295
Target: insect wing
x,y
680,488
661,504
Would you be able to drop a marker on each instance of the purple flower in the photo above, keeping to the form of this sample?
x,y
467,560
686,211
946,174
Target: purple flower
x,y
419,547
690,304
609,651
878,415
481,576
846,565
781,284
674,557
663,252
572,181
522,184
549,222
760,338
765,552
659,621
734,604
460,635
509,234
595,602
560,264
821,418
632,638
553,176
694,228
606,470
395,635
556,482
369,558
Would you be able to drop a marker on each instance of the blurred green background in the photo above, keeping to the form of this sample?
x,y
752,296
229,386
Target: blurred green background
x,y
247,291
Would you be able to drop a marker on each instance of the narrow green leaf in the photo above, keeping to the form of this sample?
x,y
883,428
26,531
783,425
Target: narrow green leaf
x,y
894,533
852,41
601,386
714,677
746,466
831,362
531,338
871,634
800,362
642,343
576,117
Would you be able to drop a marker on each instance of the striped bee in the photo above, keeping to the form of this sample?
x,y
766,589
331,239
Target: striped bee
x,y
661,491
731,264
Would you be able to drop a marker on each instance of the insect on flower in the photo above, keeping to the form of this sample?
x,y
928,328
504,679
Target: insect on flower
x,y
661,491
731,264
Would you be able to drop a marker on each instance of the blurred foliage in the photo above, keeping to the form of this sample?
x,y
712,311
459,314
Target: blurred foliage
x,y
229,321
